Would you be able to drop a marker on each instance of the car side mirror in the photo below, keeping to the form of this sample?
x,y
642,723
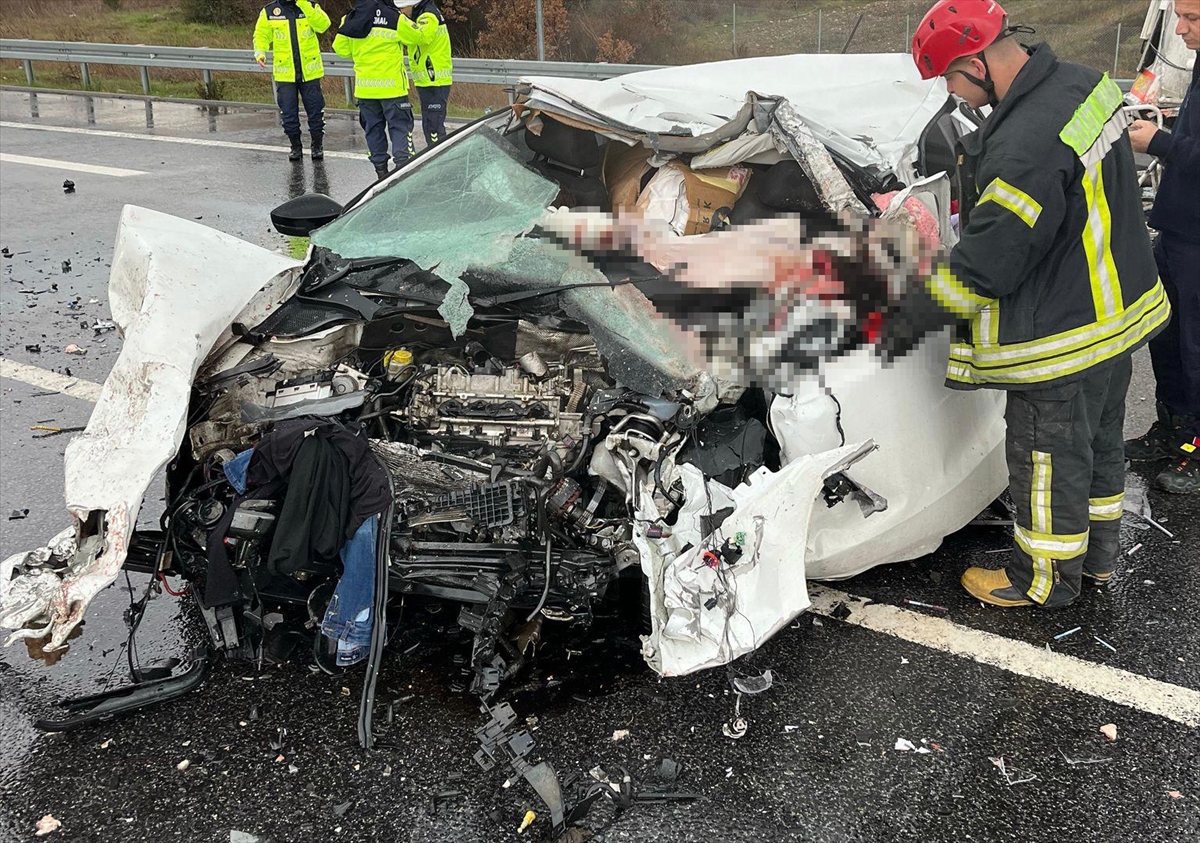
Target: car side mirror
x,y
303,215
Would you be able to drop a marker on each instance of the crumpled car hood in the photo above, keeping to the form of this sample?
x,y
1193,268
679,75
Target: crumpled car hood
x,y
175,289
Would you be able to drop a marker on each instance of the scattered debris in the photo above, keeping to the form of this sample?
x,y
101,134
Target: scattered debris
x,y
1174,794
18,514
74,349
292,768
1134,549
905,745
5,252
841,611
1109,730
903,660
103,326
735,728
340,810
106,744
1069,632
790,728
47,824
668,769
921,605
530,816
729,772
54,431
1100,640
68,186
34,348
277,742
1012,775
751,685
620,734
1073,762
66,266
183,765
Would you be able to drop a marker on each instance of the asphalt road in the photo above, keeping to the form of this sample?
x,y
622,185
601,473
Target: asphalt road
x,y
818,762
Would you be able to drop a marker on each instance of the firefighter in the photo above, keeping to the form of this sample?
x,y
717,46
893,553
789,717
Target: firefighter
x,y
1175,352
431,65
1052,287
289,28
373,35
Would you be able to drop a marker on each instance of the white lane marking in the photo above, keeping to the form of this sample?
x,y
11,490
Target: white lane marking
x,y
74,167
50,381
1163,699
250,147
1097,680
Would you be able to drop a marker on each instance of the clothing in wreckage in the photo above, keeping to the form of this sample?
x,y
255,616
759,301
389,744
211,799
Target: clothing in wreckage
x,y
1054,286
288,29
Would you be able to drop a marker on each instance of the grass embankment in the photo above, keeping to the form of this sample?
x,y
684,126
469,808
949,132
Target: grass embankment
x,y
157,22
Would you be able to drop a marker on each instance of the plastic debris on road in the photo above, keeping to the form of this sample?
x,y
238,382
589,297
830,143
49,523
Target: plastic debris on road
x,y
1012,775
47,825
1109,730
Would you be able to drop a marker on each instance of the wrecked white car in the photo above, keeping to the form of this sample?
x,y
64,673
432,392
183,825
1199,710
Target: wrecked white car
x,y
461,397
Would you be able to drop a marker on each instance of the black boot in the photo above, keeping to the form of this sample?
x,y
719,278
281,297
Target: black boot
x,y
297,150
318,147
1182,478
381,171
1160,441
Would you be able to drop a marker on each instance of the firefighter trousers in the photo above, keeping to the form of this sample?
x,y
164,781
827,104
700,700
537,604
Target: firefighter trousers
x,y
1066,467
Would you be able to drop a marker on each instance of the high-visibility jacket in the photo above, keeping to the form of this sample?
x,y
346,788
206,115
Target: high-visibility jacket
x,y
1054,272
430,61
378,57
289,31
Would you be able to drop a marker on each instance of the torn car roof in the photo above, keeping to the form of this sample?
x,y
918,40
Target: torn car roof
x,y
868,108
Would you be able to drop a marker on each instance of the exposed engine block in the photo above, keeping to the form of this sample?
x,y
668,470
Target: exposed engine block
x,y
511,408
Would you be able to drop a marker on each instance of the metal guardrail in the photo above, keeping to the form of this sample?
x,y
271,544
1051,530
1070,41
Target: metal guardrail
x,y
210,59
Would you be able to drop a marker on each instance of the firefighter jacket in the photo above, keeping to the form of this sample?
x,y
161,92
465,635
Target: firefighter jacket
x,y
375,45
1054,272
289,31
430,61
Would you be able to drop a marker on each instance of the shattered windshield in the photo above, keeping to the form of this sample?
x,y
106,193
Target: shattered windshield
x,y
462,215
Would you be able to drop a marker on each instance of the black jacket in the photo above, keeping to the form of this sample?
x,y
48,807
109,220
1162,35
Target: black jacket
x,y
1054,271
1177,207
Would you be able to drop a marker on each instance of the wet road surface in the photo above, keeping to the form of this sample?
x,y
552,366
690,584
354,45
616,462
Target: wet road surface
x,y
817,763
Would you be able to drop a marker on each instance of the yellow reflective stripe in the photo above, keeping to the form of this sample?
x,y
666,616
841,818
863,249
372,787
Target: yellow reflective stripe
x,y
1075,339
1097,246
1088,121
985,326
1039,492
1043,579
1055,546
1106,509
952,294
1016,200
971,372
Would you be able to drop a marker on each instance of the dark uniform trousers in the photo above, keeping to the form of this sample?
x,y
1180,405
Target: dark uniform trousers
x,y
289,95
381,119
433,112
1066,465
1175,353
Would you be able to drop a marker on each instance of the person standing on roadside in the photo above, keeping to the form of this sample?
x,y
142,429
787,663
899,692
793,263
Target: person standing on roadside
x,y
373,35
289,28
431,65
1175,353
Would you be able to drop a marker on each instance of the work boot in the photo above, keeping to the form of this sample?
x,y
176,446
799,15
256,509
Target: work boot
x,y
1098,577
381,171
318,147
1183,478
1157,443
992,586
297,150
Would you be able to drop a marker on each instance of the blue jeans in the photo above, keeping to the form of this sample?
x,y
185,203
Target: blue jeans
x,y
235,470
433,112
381,118
350,615
289,95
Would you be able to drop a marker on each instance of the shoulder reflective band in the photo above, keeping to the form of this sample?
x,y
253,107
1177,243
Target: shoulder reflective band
x,y
1087,123
1017,201
952,294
